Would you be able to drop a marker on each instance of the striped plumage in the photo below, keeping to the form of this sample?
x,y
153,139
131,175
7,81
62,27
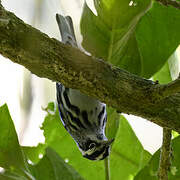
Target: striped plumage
x,y
82,116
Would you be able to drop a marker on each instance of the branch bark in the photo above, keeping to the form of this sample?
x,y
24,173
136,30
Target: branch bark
x,y
174,3
165,156
170,88
47,57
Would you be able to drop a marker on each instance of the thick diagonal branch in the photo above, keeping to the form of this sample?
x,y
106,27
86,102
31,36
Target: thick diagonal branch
x,y
46,57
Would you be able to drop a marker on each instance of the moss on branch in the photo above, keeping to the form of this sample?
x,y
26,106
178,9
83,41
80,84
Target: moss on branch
x,y
47,57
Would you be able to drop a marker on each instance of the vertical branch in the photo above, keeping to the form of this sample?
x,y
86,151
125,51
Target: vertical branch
x,y
107,168
165,156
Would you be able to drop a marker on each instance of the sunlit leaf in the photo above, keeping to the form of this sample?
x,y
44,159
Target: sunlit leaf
x,y
174,67
35,153
11,156
128,155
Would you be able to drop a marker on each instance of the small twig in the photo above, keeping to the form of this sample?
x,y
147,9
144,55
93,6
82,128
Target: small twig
x,y
172,88
165,156
173,3
107,168
167,90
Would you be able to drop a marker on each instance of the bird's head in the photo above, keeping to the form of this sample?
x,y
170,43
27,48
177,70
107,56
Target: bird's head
x,y
96,150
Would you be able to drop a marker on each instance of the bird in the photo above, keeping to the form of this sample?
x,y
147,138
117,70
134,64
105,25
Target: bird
x,y
83,117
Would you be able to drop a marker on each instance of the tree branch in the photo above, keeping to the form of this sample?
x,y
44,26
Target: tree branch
x,y
165,157
46,57
174,3
168,89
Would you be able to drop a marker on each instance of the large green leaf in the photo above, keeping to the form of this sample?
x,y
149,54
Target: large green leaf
x,y
128,155
116,35
11,156
149,172
110,35
122,157
158,37
51,166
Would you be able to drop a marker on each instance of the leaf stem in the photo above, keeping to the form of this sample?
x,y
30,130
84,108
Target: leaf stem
x,y
107,168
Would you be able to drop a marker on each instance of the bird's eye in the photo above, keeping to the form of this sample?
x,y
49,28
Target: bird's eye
x,y
92,145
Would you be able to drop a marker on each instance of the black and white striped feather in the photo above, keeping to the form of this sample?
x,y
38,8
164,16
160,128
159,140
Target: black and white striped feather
x,y
83,117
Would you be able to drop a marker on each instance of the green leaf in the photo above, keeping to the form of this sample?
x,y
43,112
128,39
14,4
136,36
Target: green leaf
x,y
174,67
149,172
122,159
157,37
169,71
51,166
112,124
163,76
34,153
111,130
11,156
127,154
11,177
175,134
110,34
59,139
116,34
50,107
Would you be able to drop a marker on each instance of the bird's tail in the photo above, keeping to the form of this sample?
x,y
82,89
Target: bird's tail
x,y
66,29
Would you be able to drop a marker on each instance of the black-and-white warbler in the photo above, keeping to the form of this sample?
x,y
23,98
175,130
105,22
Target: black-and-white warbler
x,y
82,116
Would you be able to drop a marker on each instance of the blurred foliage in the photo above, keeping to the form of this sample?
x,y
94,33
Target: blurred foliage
x,y
139,36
